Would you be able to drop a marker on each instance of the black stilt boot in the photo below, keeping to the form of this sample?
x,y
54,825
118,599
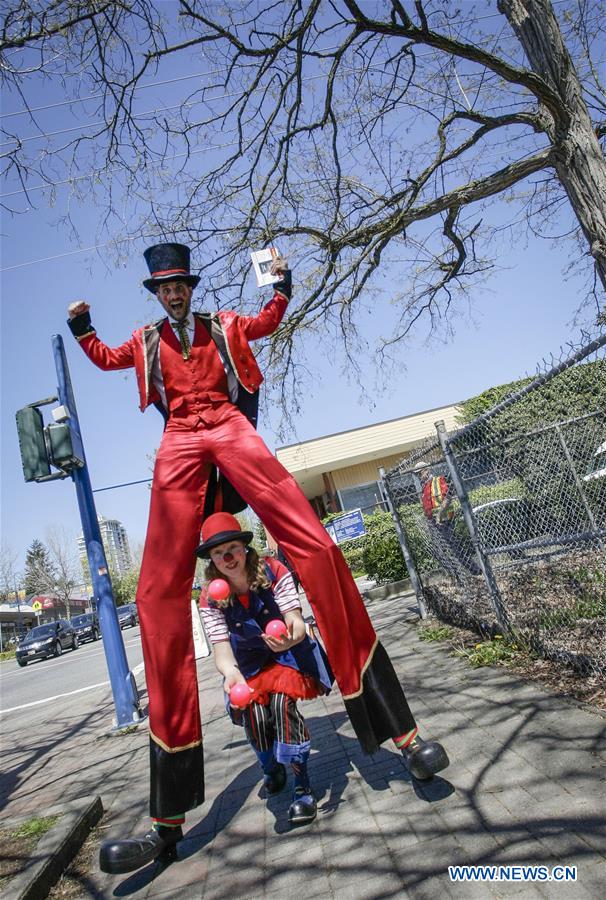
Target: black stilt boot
x,y
129,854
303,809
424,759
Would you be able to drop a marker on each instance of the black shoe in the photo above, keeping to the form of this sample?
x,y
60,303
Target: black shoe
x,y
424,758
303,808
129,854
275,780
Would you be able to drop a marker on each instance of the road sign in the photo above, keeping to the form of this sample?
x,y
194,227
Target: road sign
x,y
348,526
36,605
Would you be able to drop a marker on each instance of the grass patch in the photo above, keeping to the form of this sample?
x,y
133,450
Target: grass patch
x,y
489,653
7,654
436,633
35,827
18,845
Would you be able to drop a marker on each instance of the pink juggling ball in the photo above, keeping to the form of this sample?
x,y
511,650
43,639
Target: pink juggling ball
x,y
240,695
276,628
219,589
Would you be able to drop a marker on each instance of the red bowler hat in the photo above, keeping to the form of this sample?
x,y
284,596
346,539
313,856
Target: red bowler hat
x,y
218,529
168,262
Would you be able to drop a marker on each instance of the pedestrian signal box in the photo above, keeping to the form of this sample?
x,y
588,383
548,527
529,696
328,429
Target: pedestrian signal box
x,y
60,446
32,444
44,445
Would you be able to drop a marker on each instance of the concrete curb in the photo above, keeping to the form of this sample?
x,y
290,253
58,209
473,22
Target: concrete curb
x,y
55,850
386,591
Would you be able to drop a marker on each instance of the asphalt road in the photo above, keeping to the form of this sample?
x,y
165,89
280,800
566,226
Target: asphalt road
x,y
29,694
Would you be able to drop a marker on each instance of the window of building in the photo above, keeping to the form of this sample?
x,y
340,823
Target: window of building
x,y
366,497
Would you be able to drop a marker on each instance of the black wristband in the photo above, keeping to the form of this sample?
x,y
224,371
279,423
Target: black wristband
x,y
81,325
285,284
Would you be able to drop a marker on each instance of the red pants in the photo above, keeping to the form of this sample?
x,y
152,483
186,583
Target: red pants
x,y
179,486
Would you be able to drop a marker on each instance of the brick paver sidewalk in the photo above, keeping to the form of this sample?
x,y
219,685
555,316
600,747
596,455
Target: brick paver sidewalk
x,y
525,786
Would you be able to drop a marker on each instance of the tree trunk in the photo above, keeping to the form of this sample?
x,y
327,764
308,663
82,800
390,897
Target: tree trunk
x,y
577,154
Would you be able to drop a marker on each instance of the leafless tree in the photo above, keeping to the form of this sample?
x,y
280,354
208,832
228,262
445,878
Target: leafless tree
x,y
372,140
9,573
57,572
66,563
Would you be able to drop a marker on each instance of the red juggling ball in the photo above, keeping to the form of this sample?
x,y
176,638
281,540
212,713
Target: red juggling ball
x,y
240,695
276,628
219,589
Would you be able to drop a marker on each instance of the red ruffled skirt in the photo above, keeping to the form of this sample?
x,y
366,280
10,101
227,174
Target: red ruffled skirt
x,y
277,679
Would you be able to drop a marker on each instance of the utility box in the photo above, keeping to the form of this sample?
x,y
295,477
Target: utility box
x,y
34,455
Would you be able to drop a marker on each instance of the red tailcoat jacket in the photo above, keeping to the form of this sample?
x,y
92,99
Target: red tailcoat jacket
x,y
141,349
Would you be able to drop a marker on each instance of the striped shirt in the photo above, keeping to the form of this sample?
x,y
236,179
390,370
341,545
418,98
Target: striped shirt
x,y
285,595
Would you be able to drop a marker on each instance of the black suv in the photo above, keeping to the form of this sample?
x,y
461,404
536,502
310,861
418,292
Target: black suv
x,y
46,640
86,627
127,615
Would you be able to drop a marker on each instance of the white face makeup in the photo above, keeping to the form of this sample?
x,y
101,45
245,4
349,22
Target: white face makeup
x,y
229,558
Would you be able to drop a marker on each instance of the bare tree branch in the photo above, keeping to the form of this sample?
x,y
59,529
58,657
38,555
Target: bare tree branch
x,y
372,140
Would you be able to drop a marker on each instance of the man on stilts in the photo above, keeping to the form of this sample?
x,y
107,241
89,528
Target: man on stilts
x,y
200,371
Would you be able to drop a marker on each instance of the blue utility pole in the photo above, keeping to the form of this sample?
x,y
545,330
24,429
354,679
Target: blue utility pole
x,y
124,688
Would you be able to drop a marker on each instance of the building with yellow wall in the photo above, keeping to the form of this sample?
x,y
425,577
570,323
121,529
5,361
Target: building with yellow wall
x,y
339,471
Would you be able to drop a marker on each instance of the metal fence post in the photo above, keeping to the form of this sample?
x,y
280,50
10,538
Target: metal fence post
x,y
124,689
408,558
468,516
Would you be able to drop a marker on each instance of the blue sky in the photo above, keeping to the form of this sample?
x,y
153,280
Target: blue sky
x,y
520,315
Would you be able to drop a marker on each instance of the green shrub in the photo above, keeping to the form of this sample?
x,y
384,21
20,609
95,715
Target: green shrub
x,y
376,554
414,524
353,551
382,555
574,392
504,490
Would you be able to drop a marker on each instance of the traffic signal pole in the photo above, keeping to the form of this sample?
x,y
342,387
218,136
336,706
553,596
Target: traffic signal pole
x,y
124,688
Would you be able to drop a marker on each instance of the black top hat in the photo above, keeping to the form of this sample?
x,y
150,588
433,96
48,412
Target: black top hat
x,y
168,262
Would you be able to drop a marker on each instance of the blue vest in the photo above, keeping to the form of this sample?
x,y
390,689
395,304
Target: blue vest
x,y
252,654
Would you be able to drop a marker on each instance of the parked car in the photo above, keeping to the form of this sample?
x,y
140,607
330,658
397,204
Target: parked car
x,y
86,627
127,615
46,640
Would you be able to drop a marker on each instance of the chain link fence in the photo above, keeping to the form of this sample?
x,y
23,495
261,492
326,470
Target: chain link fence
x,y
502,522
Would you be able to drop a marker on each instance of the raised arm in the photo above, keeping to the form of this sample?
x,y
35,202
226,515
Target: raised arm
x,y
106,358
272,313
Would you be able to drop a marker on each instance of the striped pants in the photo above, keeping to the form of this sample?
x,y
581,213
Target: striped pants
x,y
279,726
